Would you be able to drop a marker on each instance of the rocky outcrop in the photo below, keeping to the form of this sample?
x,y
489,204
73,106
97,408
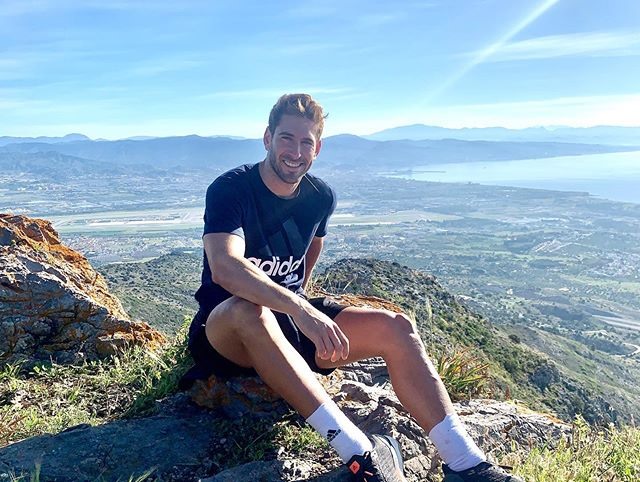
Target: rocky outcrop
x,y
182,441
53,304
497,426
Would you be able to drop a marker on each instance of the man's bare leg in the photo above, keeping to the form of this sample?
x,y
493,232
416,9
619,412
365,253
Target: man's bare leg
x,y
249,335
392,336
414,378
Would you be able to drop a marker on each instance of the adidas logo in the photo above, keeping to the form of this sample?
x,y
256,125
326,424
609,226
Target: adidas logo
x,y
276,266
331,434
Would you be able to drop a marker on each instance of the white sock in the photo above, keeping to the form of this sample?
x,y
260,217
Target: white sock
x,y
347,439
454,444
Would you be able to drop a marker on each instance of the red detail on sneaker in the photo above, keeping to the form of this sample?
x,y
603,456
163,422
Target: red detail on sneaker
x,y
354,467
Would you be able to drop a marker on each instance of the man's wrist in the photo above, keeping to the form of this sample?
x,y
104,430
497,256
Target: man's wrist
x,y
301,305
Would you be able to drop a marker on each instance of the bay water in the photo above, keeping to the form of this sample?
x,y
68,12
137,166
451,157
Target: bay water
x,y
614,176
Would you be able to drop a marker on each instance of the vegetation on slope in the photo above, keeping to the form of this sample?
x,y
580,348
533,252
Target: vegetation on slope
x,y
590,455
159,291
49,398
445,324
52,398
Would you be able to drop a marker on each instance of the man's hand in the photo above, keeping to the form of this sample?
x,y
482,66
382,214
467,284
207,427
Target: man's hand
x,y
229,268
330,341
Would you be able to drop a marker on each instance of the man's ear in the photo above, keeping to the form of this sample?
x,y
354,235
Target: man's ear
x,y
266,138
318,146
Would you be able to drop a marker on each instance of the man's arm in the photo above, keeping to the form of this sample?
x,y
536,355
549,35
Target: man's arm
x,y
313,253
231,270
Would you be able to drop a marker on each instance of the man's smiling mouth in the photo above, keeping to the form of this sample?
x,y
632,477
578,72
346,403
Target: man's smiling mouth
x,y
292,164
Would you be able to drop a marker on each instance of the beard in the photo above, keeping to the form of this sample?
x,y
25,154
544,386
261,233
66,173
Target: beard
x,y
286,174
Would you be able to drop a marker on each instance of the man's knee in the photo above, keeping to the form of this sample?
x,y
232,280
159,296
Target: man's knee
x,y
399,330
242,317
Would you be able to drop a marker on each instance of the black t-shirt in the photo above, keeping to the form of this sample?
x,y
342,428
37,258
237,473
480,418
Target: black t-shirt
x,y
277,232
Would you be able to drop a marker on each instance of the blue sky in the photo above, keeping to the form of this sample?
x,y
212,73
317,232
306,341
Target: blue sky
x,y
114,69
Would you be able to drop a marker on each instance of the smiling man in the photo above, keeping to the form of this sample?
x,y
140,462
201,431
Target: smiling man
x,y
264,226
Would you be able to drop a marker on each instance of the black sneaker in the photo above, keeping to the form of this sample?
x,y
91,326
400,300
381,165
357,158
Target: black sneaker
x,y
483,472
382,464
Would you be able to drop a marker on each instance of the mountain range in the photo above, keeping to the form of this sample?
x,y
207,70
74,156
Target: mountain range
x,y
346,152
613,135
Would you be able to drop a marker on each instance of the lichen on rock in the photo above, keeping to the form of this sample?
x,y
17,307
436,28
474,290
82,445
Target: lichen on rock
x,y
53,304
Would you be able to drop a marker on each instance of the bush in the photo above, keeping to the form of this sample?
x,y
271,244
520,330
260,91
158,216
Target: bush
x,y
464,374
590,455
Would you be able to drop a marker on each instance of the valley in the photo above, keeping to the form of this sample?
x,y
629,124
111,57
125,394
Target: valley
x,y
558,271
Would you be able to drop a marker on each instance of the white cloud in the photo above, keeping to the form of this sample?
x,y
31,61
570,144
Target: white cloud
x,y
162,66
575,44
481,56
375,20
274,93
12,8
579,111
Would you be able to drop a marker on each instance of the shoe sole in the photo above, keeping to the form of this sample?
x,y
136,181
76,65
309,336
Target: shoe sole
x,y
395,451
452,478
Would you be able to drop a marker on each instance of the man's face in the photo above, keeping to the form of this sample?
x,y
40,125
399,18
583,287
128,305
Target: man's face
x,y
292,148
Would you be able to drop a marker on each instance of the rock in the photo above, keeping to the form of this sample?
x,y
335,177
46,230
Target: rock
x,y
270,470
236,397
370,372
175,442
181,439
53,304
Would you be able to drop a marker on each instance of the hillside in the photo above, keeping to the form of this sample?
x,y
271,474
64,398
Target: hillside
x,y
160,291
96,406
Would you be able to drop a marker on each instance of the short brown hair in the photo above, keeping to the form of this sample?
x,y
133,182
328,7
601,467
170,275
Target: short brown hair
x,y
301,105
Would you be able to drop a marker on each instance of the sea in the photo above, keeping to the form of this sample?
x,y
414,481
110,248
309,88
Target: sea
x,y
614,176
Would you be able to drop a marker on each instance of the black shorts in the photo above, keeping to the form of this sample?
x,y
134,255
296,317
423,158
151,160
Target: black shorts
x,y
209,362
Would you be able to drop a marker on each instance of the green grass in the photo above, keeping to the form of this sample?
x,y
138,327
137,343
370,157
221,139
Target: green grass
x,y
34,476
51,398
606,455
464,374
251,439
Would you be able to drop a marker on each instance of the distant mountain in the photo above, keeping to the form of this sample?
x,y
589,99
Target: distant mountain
x,y
188,151
55,166
344,152
137,138
612,135
4,140
355,153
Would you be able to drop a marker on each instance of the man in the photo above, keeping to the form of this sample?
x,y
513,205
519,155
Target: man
x,y
264,229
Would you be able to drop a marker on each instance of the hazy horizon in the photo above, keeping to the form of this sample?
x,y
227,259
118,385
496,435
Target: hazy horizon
x,y
113,70
549,128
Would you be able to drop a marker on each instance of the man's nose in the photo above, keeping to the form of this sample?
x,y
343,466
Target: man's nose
x,y
295,149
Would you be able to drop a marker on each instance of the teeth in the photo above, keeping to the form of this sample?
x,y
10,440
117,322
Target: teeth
x,y
291,164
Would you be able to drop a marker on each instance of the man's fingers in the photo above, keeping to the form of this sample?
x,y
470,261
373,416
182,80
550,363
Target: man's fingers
x,y
344,341
334,344
340,343
322,349
337,348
